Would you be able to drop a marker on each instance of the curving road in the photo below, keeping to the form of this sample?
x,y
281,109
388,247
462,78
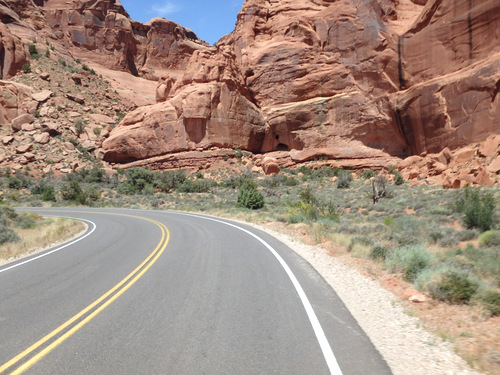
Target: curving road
x,y
154,292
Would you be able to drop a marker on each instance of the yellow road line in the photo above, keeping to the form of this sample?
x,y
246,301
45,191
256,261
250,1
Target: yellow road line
x,y
160,248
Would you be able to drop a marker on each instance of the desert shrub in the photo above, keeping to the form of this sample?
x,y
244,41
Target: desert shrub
x,y
7,235
408,230
323,172
25,221
87,69
32,50
46,191
368,173
26,68
34,54
14,183
478,208
379,189
490,238
290,181
48,194
302,212
344,180
398,177
72,191
307,196
197,186
365,241
245,180
491,300
92,194
449,284
274,181
96,174
137,179
79,126
409,260
378,253
250,198
169,180
467,235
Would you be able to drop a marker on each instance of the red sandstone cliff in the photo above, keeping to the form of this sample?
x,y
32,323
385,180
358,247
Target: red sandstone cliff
x,y
350,79
356,81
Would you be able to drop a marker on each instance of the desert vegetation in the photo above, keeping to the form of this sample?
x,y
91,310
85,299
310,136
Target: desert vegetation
x,y
444,243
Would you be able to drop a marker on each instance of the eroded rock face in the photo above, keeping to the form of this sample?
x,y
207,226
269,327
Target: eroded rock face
x,y
349,78
449,62
103,31
12,51
289,79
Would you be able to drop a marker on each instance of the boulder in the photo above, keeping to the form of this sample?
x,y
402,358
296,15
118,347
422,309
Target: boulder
x,y
494,166
42,138
491,146
270,166
19,121
24,148
42,96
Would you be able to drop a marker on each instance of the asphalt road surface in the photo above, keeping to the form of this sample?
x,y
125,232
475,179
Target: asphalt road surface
x,y
153,292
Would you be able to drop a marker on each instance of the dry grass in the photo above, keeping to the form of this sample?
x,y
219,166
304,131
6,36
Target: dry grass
x,y
47,232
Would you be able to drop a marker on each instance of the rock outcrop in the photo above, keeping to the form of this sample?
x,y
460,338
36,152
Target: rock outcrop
x,y
103,32
348,80
361,83
291,81
449,63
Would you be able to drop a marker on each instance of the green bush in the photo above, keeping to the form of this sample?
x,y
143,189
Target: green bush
x,y
490,238
25,221
79,126
48,194
33,52
368,173
491,300
197,186
26,68
451,285
409,260
344,180
250,198
365,241
243,181
72,191
169,180
137,179
378,253
291,181
398,177
7,235
46,191
478,208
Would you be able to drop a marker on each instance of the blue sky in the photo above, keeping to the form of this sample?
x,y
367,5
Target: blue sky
x,y
209,19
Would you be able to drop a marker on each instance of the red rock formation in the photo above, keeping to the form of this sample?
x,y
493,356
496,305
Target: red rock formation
x,y
290,76
449,62
12,51
103,32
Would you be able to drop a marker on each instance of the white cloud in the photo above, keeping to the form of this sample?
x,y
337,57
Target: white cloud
x,y
163,10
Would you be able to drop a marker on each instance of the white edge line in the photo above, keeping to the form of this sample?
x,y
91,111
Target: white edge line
x,y
330,359
57,249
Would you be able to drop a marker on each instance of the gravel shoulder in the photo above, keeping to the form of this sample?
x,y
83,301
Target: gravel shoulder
x,y
407,348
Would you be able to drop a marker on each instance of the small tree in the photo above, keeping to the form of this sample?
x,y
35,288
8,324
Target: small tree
x,y
379,188
478,208
250,198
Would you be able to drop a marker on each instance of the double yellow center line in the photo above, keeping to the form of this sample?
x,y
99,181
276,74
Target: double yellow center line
x,y
41,348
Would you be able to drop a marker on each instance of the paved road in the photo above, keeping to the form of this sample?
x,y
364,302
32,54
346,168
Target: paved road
x,y
151,292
